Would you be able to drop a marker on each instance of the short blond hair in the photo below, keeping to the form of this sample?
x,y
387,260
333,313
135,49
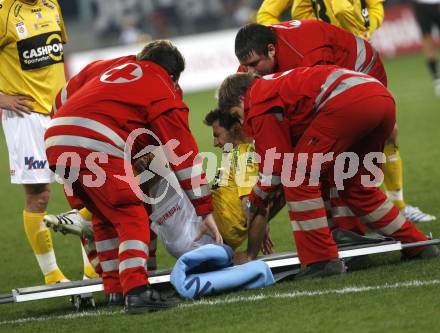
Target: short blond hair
x,y
232,88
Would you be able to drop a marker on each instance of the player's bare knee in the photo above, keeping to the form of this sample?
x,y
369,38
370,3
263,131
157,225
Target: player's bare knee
x,y
43,200
36,197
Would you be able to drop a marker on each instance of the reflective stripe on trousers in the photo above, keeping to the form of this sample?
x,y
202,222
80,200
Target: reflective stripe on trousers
x,y
133,261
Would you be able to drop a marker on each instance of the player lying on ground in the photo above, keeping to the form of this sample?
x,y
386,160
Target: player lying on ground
x,y
234,181
309,108
173,218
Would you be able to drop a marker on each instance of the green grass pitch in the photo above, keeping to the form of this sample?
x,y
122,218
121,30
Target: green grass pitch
x,y
389,297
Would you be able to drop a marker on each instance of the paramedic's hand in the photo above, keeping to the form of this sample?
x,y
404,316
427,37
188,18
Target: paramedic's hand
x,y
17,104
209,227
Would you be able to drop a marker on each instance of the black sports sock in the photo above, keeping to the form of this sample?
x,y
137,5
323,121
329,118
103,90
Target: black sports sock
x,y
433,68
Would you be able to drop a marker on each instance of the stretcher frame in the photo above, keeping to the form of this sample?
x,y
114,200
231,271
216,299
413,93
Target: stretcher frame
x,y
281,264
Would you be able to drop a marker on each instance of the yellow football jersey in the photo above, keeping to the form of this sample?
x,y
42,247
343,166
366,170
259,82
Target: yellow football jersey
x,y
31,51
352,17
271,10
346,14
235,180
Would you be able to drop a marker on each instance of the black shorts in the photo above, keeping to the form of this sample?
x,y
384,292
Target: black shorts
x,y
427,15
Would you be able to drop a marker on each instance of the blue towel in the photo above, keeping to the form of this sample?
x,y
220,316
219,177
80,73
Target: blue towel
x,y
208,270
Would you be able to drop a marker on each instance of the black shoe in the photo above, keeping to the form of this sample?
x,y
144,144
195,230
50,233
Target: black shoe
x,y
323,269
150,300
115,299
430,251
357,263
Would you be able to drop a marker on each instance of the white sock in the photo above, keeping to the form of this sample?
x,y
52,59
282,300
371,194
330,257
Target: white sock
x,y
47,262
395,195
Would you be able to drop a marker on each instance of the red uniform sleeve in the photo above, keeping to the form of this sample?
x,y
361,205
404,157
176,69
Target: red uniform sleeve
x,y
74,84
272,150
320,56
173,125
158,108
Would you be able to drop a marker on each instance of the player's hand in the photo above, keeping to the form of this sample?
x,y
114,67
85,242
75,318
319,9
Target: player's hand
x,y
240,258
17,104
209,227
143,163
267,245
249,211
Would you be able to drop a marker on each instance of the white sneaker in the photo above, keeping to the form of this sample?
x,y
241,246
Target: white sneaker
x,y
414,214
437,87
70,223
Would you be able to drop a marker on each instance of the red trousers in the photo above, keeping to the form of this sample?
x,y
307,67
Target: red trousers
x,y
120,226
338,213
362,128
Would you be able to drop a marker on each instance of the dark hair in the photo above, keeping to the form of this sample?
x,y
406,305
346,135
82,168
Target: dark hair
x,y
232,88
165,54
253,38
225,119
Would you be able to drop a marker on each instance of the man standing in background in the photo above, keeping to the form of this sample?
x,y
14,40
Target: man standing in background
x,y
361,17
428,16
32,35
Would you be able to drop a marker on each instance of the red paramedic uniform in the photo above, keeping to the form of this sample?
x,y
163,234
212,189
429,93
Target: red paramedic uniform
x,y
95,113
323,109
306,43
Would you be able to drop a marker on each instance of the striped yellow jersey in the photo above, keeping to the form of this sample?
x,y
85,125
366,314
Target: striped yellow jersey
x,y
346,14
31,51
235,180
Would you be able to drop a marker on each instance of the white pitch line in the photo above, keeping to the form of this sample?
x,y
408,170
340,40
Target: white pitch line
x,y
236,299
297,294
69,316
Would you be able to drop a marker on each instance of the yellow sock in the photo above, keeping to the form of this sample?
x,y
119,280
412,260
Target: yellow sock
x,y
85,214
393,173
89,271
54,277
41,242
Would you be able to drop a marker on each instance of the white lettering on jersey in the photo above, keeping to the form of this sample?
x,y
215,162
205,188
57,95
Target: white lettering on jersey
x,y
42,51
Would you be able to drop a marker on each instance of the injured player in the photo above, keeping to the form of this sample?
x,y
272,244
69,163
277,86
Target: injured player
x,y
173,218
